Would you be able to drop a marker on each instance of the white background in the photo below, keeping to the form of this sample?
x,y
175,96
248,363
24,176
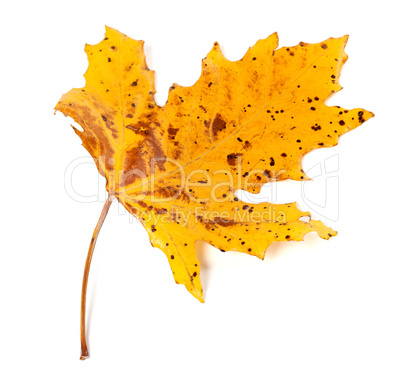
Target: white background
x,y
314,308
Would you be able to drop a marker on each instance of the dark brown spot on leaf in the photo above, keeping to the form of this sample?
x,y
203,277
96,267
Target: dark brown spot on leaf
x,y
232,158
218,124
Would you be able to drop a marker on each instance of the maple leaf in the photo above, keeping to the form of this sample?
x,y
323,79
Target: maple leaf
x,y
244,123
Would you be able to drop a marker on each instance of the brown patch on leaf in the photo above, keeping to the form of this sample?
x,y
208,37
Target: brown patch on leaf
x,y
224,222
172,132
232,158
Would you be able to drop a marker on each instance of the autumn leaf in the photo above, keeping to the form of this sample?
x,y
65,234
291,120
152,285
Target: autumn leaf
x,y
244,123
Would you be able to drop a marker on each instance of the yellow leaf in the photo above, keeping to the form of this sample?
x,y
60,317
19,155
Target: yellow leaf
x,y
242,124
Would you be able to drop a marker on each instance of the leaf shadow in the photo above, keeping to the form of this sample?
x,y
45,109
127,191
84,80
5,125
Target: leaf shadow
x,y
92,292
205,270
311,241
276,250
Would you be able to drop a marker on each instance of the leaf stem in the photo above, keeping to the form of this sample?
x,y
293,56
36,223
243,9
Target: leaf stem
x,y
105,210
